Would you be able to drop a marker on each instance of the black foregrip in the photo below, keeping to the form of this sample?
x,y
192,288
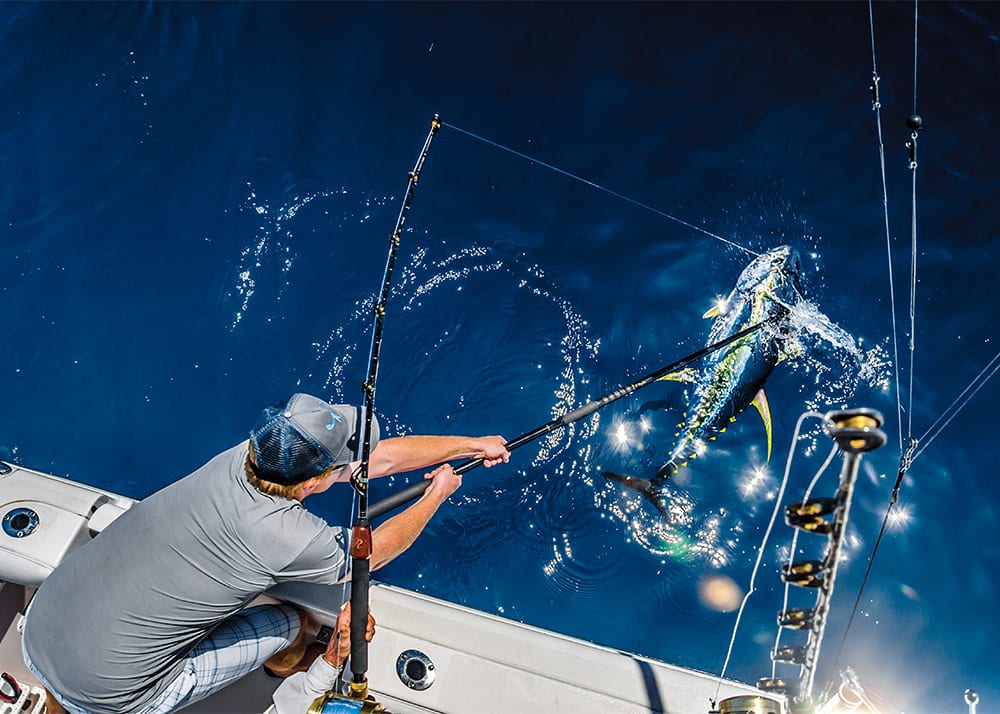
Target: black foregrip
x,y
413,491
580,412
397,499
360,568
416,490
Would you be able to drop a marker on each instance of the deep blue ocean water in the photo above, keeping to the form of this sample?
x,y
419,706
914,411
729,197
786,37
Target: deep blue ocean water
x,y
196,210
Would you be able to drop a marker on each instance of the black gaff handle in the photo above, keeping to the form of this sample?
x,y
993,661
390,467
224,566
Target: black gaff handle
x,y
413,492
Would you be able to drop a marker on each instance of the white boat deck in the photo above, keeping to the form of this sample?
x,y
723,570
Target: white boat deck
x,y
480,662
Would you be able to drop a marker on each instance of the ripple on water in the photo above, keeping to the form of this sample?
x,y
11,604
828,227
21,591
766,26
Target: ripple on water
x,y
463,364
459,364
478,359
583,557
478,551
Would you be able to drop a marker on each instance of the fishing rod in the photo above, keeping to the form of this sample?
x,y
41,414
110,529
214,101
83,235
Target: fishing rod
x,y
416,490
361,533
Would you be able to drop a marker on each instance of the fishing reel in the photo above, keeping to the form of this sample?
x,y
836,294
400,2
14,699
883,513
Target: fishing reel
x,y
333,703
749,705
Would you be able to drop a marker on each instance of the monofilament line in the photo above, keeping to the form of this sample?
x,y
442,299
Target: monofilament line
x,y
913,235
608,191
876,106
956,406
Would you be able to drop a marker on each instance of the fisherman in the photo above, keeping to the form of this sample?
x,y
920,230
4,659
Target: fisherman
x,y
149,617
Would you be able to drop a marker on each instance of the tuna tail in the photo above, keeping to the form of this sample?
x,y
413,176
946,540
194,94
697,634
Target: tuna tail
x,y
667,470
651,489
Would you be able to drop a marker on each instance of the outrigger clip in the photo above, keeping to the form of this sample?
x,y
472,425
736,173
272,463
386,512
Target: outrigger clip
x,y
915,122
874,90
905,461
911,145
971,700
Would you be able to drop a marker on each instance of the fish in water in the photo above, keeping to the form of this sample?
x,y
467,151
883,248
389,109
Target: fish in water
x,y
733,377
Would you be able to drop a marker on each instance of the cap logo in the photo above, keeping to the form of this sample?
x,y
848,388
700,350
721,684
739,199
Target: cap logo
x,y
334,418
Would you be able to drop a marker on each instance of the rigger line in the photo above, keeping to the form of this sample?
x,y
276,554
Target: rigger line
x,y
914,122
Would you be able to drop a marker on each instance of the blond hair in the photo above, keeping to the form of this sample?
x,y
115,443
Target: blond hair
x,y
269,487
280,490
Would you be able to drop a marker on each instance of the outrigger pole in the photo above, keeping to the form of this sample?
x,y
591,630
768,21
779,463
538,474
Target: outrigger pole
x,y
416,490
361,535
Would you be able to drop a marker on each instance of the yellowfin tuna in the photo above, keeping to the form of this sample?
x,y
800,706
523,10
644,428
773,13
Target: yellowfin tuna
x,y
733,378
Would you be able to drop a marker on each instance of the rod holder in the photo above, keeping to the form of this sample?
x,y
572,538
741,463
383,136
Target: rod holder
x,y
753,704
856,431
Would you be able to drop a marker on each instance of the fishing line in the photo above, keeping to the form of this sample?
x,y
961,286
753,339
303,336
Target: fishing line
x,y
914,124
608,191
905,457
916,16
760,551
877,108
927,437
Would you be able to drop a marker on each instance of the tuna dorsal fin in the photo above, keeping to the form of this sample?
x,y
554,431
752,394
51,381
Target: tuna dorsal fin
x,y
687,374
714,311
760,401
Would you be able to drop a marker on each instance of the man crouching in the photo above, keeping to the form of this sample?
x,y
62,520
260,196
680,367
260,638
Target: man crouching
x,y
149,616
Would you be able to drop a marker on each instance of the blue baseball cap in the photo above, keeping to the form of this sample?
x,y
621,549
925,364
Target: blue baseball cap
x,y
304,437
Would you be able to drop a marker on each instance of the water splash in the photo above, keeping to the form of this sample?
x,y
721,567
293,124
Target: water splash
x,y
553,492
828,363
424,280
271,252
835,363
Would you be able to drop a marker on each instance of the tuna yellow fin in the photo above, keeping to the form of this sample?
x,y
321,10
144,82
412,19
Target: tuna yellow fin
x,y
713,311
760,401
687,374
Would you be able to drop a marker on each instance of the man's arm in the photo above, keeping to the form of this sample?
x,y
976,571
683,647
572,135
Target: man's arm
x,y
410,453
398,533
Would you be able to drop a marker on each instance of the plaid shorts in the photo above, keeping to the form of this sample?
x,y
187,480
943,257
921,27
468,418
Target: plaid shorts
x,y
232,650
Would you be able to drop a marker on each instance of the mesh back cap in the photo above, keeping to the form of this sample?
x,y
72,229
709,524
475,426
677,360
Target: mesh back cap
x,y
305,437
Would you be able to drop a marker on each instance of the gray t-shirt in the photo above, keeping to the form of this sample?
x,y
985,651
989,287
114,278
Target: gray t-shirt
x,y
110,627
